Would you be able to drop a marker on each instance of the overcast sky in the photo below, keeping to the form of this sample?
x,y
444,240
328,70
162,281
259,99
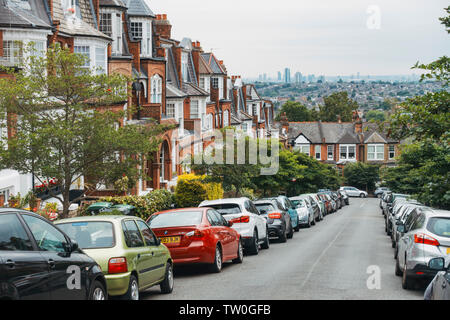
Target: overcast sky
x,y
330,37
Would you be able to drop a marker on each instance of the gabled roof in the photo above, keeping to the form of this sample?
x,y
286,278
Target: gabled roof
x,y
194,91
215,66
138,8
24,14
174,92
203,67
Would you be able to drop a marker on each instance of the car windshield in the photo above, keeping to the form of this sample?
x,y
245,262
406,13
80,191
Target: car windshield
x,y
176,219
439,226
299,203
268,207
226,208
90,234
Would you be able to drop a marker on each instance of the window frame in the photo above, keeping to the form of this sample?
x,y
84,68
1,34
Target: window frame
x,y
376,152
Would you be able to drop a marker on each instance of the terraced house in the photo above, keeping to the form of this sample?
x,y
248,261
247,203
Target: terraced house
x,y
173,81
339,143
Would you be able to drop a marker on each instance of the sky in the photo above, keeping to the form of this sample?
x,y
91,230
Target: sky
x,y
321,37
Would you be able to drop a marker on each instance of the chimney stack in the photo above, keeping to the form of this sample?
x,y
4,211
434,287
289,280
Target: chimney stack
x,y
163,28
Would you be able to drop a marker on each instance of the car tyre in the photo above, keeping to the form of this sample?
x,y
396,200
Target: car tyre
x,y
167,284
98,291
254,247
362,195
407,282
398,271
297,228
283,236
266,243
240,253
290,235
133,289
216,267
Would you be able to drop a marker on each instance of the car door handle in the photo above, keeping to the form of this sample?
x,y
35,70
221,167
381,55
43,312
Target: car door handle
x,y
10,264
51,263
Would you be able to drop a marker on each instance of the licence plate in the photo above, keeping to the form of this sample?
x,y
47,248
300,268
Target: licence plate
x,y
448,250
170,240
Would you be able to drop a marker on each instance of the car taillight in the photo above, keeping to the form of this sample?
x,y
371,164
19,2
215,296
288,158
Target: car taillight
x,y
243,219
117,265
195,234
275,215
425,239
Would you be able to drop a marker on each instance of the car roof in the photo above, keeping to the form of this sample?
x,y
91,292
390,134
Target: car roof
x,y
241,200
438,212
183,210
96,218
265,200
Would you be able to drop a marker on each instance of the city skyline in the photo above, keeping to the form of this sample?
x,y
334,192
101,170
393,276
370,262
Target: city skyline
x,y
321,38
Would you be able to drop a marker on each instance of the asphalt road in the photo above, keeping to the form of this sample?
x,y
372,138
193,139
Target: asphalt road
x,y
333,260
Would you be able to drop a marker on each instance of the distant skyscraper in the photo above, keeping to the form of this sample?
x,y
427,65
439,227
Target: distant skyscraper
x,y
279,76
298,77
265,77
287,75
311,78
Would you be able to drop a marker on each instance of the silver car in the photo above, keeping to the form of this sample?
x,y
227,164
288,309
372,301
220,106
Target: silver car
x,y
305,211
439,287
353,192
426,236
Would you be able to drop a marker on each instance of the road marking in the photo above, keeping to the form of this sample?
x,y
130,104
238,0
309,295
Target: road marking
x,y
323,253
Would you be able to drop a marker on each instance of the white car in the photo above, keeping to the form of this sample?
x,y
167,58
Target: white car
x,y
246,220
353,192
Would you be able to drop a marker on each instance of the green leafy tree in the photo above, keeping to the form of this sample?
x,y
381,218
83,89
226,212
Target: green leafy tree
x,y
375,115
337,105
64,125
362,175
295,111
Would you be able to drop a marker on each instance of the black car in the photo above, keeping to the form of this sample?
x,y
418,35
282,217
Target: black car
x,y
439,287
344,197
278,220
40,262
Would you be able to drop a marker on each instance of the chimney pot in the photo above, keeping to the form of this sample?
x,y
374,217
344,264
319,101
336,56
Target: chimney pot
x,y
164,16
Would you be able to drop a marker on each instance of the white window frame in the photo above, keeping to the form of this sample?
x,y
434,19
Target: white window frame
x,y
184,65
156,89
170,110
347,152
393,151
195,106
94,47
376,154
328,152
226,117
318,147
304,148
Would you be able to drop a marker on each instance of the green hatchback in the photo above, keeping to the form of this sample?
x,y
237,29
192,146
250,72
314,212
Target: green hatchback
x,y
132,258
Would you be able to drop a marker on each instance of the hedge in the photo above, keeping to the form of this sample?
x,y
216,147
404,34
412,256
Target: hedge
x,y
191,190
154,201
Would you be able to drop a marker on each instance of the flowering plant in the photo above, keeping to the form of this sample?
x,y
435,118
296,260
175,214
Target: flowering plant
x,y
46,185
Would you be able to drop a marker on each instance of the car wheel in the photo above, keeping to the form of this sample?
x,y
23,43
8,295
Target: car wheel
x,y
398,271
407,282
283,236
313,222
216,267
240,253
254,247
290,235
362,195
167,284
266,243
393,244
98,291
133,290
297,228
396,252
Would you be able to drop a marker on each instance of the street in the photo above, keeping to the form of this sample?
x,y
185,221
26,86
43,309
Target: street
x,y
332,260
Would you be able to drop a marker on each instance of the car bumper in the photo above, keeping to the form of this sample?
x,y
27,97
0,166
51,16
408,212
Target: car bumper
x,y
196,252
275,230
117,284
421,271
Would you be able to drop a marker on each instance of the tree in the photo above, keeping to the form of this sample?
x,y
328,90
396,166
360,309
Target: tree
x,y
375,115
295,111
65,126
362,175
337,105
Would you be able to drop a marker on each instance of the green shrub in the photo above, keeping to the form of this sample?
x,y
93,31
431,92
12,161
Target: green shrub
x,y
189,193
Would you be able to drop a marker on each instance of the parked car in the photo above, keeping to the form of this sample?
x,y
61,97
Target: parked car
x,y
403,207
131,256
313,200
38,260
379,191
337,199
426,236
395,200
344,196
389,200
398,233
289,207
321,204
327,203
439,287
198,235
383,200
332,202
354,192
304,210
335,203
247,220
278,219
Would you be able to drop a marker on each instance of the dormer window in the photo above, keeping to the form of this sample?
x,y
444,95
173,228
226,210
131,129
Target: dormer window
x,y
70,8
184,66
141,30
106,24
136,30
111,25
156,89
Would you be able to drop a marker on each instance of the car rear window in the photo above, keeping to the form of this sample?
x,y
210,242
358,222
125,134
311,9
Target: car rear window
x,y
226,208
176,219
90,234
268,207
299,203
439,226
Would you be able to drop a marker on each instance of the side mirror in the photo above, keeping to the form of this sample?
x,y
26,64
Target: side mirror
x,y
230,223
72,246
401,228
158,241
437,264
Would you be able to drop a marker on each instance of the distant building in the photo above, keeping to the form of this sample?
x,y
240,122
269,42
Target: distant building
x,y
298,77
279,76
311,78
287,75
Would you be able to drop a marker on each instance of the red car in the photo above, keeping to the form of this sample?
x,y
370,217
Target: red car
x,y
328,205
197,235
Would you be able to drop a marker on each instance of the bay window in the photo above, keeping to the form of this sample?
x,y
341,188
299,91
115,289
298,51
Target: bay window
x,y
170,110
12,51
347,152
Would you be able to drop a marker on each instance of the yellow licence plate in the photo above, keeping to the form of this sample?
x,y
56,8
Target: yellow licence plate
x,y
170,239
448,250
